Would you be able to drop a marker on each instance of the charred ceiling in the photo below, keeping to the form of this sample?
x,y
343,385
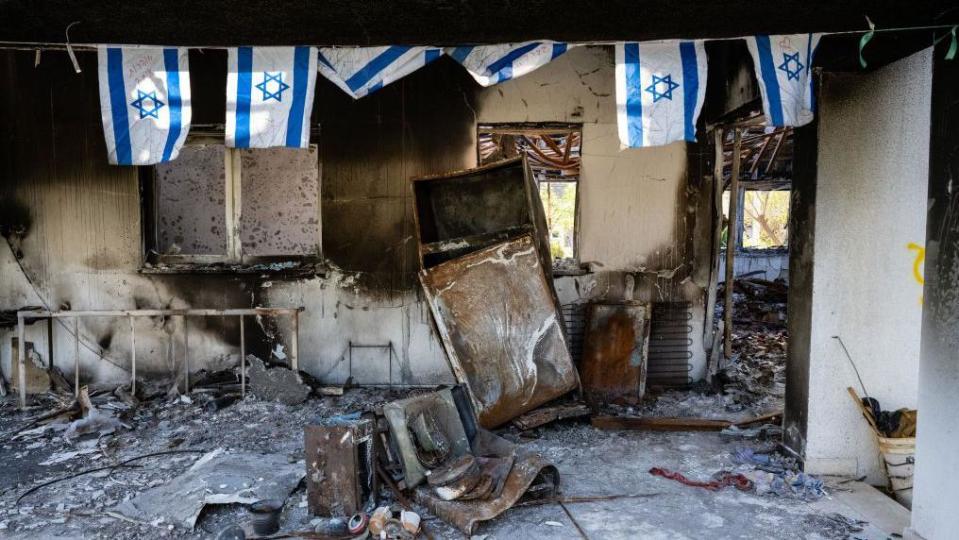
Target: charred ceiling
x,y
442,22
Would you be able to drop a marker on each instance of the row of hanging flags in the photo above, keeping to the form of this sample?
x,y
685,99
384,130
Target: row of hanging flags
x,y
660,88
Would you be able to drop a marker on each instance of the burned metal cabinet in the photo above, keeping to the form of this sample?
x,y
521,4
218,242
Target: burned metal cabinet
x,y
613,366
484,253
340,466
459,212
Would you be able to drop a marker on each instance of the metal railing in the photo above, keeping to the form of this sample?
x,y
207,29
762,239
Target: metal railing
x,y
23,316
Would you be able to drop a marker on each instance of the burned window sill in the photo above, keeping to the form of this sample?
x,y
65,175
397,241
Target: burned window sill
x,y
278,268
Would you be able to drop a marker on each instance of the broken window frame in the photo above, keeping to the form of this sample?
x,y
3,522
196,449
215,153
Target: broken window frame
x,y
560,266
233,255
766,160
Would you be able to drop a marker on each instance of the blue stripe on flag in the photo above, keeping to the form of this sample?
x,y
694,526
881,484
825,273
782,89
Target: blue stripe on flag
x,y
321,58
809,55
118,107
431,54
770,81
687,51
634,94
375,66
460,53
301,68
507,59
171,63
558,49
244,89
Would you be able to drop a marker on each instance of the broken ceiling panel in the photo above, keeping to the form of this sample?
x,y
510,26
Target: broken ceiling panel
x,y
501,329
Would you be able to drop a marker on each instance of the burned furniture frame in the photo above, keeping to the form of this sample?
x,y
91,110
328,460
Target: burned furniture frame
x,y
485,270
30,315
449,224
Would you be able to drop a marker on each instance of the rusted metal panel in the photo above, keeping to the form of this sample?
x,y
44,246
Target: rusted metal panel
x,y
613,365
340,473
529,472
501,329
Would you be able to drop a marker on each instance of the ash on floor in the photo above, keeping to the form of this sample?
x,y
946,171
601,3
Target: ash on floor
x,y
607,491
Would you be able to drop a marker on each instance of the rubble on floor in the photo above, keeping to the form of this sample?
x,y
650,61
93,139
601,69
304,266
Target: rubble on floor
x,y
606,488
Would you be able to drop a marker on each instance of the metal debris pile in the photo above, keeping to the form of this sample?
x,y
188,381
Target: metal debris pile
x,y
428,448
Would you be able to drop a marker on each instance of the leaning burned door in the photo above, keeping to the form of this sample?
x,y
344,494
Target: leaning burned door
x,y
501,329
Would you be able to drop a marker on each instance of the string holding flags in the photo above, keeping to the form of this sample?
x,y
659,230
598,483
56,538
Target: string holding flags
x,y
783,67
492,64
360,71
144,102
269,96
660,89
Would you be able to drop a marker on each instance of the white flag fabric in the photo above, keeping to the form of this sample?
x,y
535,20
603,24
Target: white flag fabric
x,y
784,70
660,88
491,64
144,102
359,71
269,96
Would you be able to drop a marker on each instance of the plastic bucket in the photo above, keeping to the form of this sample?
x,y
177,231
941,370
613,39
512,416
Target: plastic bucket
x,y
899,457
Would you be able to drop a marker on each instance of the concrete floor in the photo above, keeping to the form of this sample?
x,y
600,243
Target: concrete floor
x,y
594,463
591,463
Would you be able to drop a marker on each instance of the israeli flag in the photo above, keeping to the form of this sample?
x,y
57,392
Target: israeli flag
x,y
269,96
660,88
144,102
359,71
492,64
784,70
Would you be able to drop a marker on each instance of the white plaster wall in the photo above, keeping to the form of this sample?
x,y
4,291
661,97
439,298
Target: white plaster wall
x,y
631,206
628,196
870,205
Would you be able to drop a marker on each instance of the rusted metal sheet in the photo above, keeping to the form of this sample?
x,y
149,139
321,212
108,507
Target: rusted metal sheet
x,y
527,470
613,365
501,329
340,467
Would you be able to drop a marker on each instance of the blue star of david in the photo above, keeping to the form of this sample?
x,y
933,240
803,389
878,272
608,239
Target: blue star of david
x,y
145,111
654,88
265,86
791,74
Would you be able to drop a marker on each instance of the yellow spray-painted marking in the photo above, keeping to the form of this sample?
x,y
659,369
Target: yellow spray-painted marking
x,y
917,263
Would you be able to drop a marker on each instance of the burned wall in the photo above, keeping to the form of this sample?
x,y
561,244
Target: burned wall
x,y
75,224
79,220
